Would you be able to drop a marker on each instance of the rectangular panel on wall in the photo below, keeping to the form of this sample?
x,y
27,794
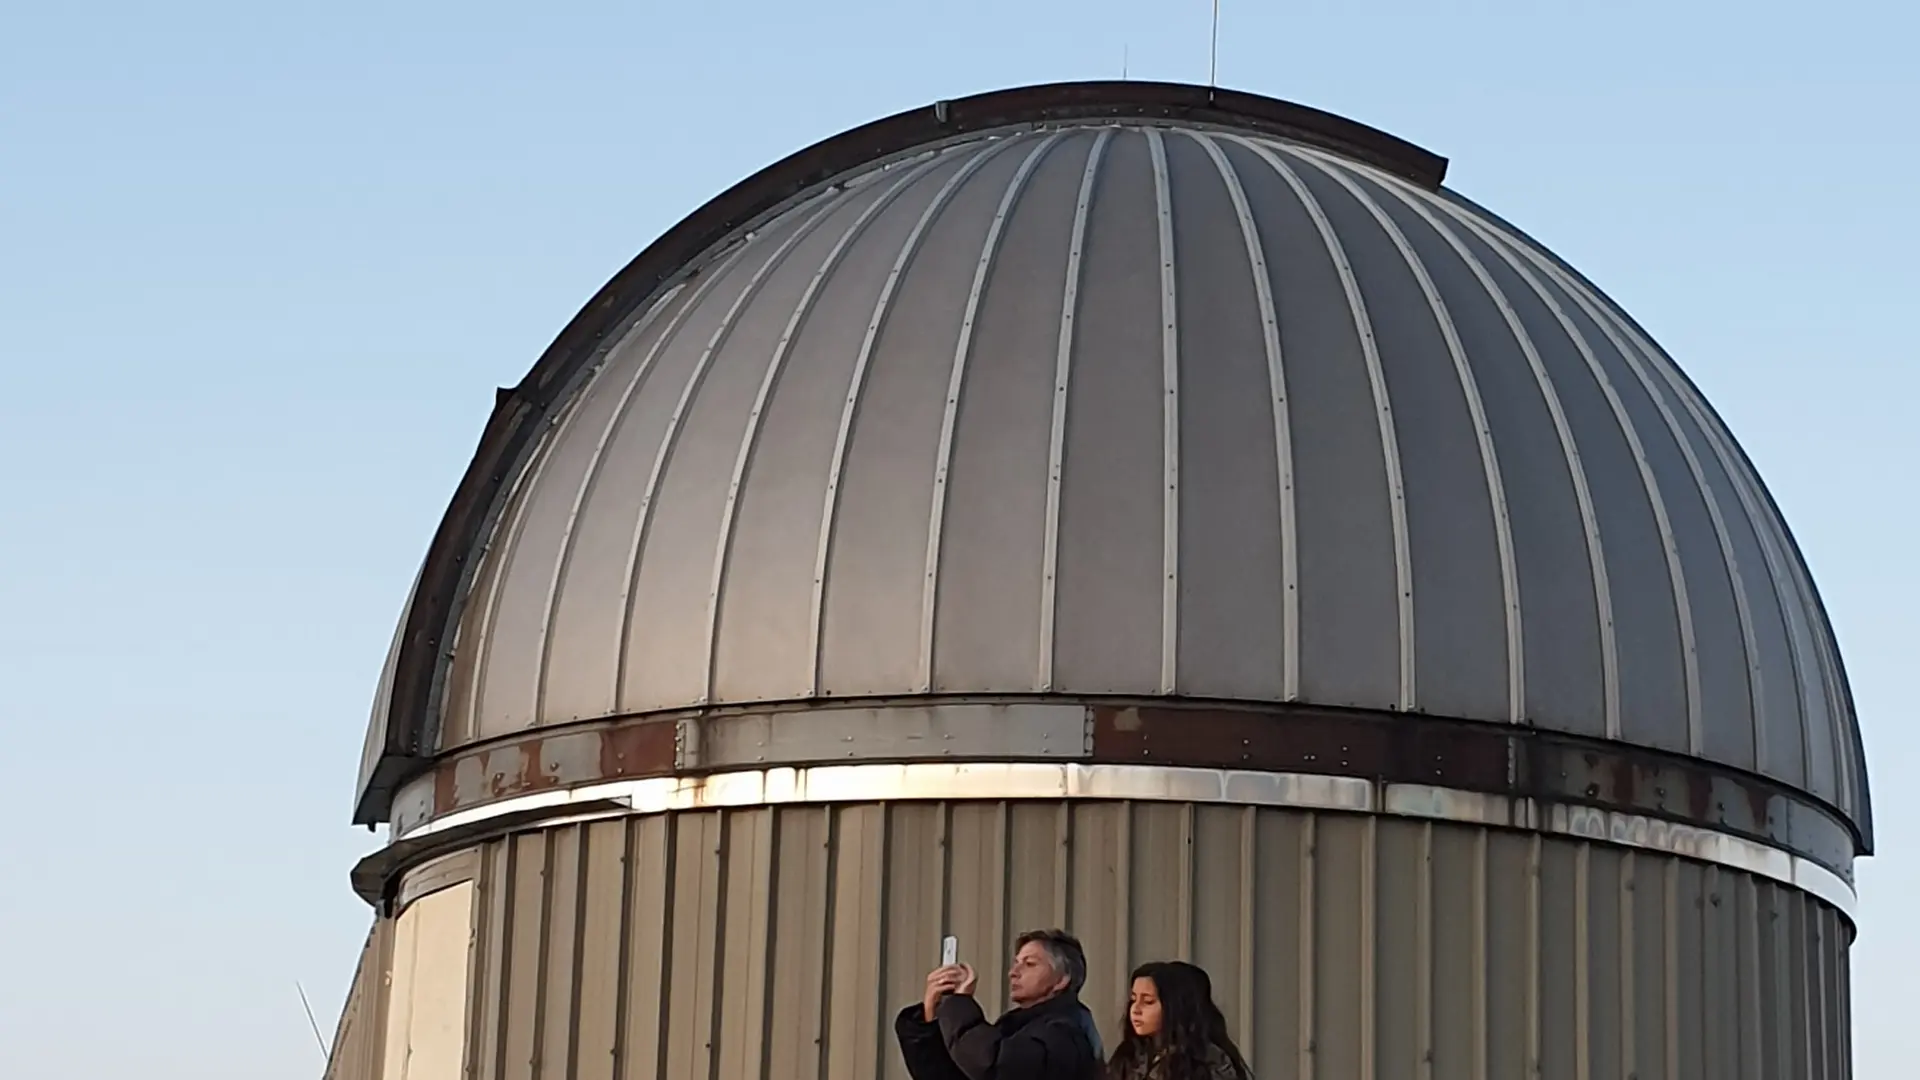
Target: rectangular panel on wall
x,y
1222,910
1283,936
688,997
778,944
357,1049
1039,858
427,998
1160,883
744,939
521,965
1101,903
801,894
604,895
858,1017
977,896
1403,906
1513,956
915,912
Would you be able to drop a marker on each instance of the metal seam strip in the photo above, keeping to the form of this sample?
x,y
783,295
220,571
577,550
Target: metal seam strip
x,y
1383,407
1535,1019
1308,912
1582,964
1170,423
1369,932
1624,988
856,386
801,310
1482,842
1583,496
956,386
1057,438
1476,410
1683,606
1740,481
1282,426
665,451
1423,926
668,333
1035,780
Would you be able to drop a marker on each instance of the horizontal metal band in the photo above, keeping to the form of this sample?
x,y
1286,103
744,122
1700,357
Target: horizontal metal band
x,y
1376,747
1144,783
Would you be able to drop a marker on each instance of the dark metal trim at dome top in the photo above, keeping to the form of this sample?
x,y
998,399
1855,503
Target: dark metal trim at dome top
x,y
403,736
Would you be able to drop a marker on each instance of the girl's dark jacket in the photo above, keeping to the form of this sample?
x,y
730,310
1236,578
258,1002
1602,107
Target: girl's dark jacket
x,y
1219,1067
1054,1040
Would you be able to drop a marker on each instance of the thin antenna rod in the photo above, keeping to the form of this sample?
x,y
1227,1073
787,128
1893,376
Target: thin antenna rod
x,y
311,1022
1213,51
1124,50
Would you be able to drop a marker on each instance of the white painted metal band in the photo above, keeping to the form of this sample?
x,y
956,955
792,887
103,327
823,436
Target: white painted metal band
x,y
1148,783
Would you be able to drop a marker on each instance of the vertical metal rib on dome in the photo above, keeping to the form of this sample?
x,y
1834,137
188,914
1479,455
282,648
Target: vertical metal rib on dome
x,y
1057,429
1389,449
1651,487
1282,429
956,388
880,309
1170,422
1570,455
1496,493
819,215
723,548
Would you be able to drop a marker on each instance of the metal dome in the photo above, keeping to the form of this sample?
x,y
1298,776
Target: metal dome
x,y
1210,404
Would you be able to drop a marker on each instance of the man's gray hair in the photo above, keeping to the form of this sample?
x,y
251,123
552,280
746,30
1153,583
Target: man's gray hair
x,y
1063,952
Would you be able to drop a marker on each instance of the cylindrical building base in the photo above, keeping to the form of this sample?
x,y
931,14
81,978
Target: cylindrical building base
x,y
776,942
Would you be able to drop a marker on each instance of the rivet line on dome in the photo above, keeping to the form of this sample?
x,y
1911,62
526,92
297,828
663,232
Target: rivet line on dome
x,y
1057,429
856,384
1476,410
630,581
590,476
950,418
743,457
1170,423
1282,435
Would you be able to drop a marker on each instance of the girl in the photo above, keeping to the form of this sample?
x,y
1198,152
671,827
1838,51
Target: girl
x,y
1173,1029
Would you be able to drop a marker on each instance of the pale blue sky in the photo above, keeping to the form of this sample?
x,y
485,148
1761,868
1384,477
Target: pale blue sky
x,y
261,267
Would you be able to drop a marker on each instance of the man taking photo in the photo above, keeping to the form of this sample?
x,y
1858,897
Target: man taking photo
x,y
1046,1035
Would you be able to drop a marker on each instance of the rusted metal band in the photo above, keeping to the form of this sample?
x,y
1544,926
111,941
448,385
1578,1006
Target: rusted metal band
x,y
377,875
1384,748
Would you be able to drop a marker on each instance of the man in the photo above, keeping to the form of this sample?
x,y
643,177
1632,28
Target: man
x,y
1047,1035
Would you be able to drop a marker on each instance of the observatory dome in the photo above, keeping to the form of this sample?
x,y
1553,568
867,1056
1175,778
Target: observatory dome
x,y
1127,395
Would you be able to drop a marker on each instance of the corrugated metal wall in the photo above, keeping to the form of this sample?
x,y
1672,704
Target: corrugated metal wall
x,y
356,1048
777,942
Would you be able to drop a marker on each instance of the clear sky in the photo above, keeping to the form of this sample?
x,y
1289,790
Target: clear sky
x,y
262,266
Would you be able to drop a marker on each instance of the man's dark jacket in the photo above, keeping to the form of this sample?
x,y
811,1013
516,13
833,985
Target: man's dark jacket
x,y
1054,1040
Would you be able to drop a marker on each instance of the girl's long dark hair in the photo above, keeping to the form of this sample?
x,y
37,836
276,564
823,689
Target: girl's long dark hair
x,y
1191,1026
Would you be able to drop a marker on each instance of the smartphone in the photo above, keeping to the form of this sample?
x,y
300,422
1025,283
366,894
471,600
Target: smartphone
x,y
949,950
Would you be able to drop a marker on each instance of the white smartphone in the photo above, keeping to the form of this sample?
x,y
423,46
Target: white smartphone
x,y
949,950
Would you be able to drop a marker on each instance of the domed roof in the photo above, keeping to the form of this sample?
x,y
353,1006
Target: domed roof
x,y
1145,404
